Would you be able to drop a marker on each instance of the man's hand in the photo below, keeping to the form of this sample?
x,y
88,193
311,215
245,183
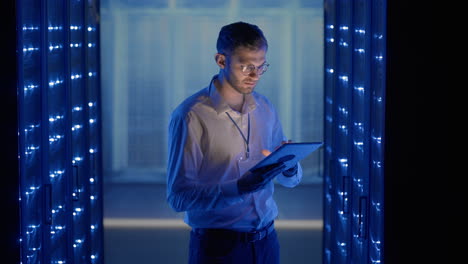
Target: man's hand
x,y
289,172
255,180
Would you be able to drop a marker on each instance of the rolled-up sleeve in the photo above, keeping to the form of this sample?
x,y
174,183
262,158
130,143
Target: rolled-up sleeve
x,y
292,181
185,191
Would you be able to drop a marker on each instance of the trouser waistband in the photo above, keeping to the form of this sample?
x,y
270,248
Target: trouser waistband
x,y
251,236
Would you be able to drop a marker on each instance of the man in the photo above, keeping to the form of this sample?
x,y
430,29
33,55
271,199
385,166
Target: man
x,y
215,137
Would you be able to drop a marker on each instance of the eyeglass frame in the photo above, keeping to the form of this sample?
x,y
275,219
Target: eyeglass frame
x,y
265,64
246,71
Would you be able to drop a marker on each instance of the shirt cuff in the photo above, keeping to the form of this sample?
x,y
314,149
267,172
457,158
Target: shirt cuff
x,y
291,172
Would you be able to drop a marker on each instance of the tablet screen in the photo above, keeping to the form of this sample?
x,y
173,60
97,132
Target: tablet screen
x,y
289,153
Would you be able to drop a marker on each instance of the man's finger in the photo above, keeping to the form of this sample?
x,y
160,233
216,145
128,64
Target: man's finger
x,y
266,152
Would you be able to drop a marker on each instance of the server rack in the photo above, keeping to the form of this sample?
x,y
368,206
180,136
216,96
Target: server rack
x,y
59,131
355,42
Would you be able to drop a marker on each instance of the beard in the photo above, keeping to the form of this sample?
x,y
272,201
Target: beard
x,y
243,86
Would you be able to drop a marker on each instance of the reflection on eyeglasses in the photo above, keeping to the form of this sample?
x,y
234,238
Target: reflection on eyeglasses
x,y
249,69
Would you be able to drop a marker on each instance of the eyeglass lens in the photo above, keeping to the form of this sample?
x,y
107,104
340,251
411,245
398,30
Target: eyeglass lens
x,y
251,68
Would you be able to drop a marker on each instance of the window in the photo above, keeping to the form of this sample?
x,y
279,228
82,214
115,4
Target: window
x,y
156,53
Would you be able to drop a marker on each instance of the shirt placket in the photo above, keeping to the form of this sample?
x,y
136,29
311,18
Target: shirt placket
x,y
244,128
241,121
256,196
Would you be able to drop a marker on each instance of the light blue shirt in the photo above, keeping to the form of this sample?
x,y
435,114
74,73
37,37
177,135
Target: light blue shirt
x,y
205,152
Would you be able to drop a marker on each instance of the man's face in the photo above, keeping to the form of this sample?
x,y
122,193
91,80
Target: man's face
x,y
244,82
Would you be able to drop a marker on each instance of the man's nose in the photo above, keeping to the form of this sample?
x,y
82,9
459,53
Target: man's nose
x,y
254,74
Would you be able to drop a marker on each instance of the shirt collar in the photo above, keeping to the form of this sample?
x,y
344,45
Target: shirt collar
x,y
221,106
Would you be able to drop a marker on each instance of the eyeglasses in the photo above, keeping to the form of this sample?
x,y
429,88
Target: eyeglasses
x,y
249,69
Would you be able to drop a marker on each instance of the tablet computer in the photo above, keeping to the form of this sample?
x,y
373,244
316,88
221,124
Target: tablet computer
x,y
289,154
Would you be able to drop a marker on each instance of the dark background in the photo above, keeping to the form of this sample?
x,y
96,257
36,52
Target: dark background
x,y
419,186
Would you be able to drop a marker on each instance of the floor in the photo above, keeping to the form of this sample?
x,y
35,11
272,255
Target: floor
x,y
141,228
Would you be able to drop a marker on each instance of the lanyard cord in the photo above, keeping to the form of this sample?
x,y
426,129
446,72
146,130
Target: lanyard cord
x,y
246,140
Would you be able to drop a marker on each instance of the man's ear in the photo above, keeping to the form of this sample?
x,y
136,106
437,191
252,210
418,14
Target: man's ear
x,y
220,60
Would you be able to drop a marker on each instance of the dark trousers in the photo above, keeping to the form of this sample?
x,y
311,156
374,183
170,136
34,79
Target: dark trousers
x,y
223,248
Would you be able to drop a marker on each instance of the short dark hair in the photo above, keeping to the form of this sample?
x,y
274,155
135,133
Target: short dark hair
x,y
240,34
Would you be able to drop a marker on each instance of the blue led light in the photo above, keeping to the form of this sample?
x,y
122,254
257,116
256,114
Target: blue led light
x,y
343,110
75,76
31,150
378,36
30,128
343,162
343,78
76,127
77,109
30,49
343,43
56,173
360,31
30,87
55,83
75,45
378,207
77,211
55,118
55,138
54,47
30,28
32,190
377,163
54,28
359,89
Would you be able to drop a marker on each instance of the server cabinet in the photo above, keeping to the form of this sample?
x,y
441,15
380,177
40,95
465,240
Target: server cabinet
x,y
354,119
59,131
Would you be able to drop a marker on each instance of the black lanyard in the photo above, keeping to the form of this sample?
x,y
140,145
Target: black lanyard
x,y
246,140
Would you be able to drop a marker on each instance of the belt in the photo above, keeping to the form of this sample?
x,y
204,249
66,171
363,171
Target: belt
x,y
245,237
